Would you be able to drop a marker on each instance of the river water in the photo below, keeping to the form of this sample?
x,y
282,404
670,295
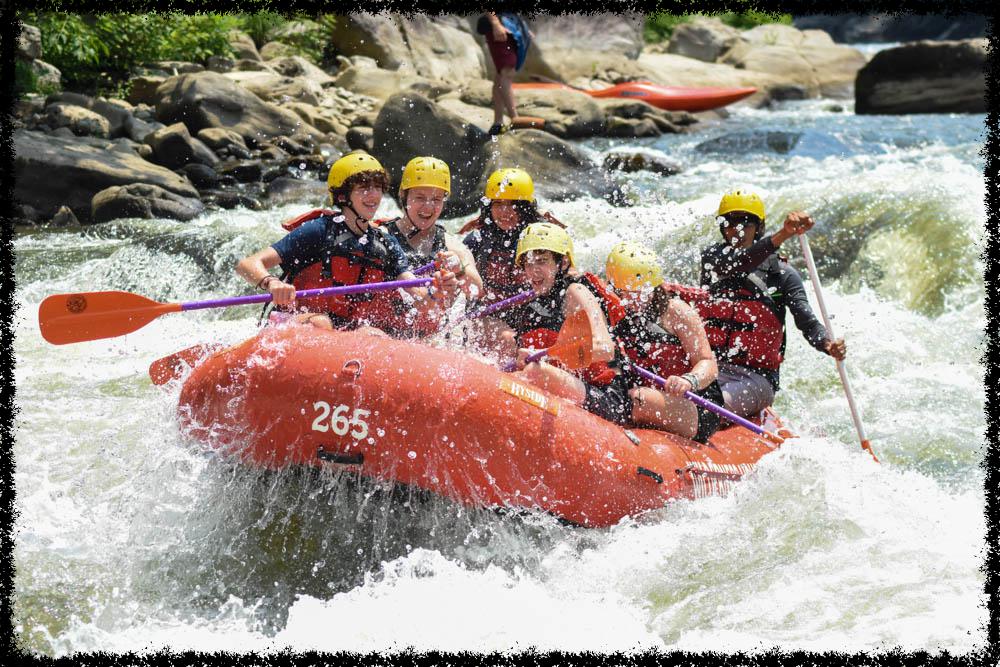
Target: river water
x,y
128,538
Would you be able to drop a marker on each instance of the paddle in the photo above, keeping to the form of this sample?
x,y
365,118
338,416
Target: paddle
x,y
573,347
709,405
73,318
841,367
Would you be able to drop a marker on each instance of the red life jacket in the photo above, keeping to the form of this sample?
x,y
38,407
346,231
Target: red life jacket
x,y
342,267
651,346
545,314
405,319
745,331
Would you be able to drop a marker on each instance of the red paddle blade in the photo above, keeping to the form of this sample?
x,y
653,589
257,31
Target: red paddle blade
x,y
574,346
172,366
73,318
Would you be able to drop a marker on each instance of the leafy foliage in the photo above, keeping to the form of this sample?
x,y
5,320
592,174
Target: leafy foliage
x,y
660,26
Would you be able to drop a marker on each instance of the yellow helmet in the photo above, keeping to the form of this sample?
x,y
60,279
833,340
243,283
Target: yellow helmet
x,y
742,200
513,184
632,267
352,163
544,236
428,171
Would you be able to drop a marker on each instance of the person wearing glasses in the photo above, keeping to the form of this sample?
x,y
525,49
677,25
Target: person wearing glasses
x,y
752,286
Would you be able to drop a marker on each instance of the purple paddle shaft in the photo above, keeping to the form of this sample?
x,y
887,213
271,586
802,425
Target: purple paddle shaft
x,y
708,405
321,291
499,305
421,270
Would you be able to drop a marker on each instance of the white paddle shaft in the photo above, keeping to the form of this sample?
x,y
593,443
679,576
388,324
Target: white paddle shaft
x,y
841,368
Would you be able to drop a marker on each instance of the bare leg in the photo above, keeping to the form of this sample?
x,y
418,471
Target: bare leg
x,y
506,79
555,381
498,101
318,320
669,413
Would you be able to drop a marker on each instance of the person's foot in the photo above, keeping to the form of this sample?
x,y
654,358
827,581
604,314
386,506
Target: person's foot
x,y
497,128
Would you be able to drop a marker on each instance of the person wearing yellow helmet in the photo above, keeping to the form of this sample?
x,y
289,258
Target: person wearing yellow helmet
x,y
752,288
665,335
423,190
339,246
545,254
508,207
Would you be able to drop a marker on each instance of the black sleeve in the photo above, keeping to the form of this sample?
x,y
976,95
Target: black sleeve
x,y
793,292
722,261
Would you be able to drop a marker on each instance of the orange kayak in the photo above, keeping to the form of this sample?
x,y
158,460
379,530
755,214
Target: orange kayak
x,y
446,422
669,98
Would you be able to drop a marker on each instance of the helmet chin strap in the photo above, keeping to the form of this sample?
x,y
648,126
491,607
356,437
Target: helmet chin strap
x,y
347,204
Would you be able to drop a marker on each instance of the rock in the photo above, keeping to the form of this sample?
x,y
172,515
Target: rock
x,y
63,132
668,69
220,64
924,77
361,138
291,146
143,89
138,130
64,217
274,87
704,39
142,200
116,111
173,147
243,45
274,153
28,105
25,214
218,138
248,65
46,75
287,190
208,99
175,67
228,199
68,97
29,43
809,58
901,27
317,117
51,172
807,144
378,83
297,66
631,127
275,50
413,44
80,120
244,172
636,160
202,176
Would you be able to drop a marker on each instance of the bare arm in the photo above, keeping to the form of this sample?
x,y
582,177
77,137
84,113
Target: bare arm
x,y
684,322
579,298
470,281
255,269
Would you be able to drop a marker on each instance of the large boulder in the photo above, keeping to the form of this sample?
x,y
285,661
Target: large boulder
x,y
808,58
79,120
142,200
29,43
209,99
376,82
115,111
297,66
52,171
243,46
46,75
567,113
173,147
924,77
668,69
901,27
410,124
274,87
704,39
428,46
143,89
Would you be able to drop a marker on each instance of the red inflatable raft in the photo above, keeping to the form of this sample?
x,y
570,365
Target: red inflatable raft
x,y
670,98
444,421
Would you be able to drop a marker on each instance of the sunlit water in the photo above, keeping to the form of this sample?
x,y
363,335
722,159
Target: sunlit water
x,y
131,538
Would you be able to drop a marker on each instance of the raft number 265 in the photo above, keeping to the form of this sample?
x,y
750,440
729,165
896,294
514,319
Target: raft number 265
x,y
334,418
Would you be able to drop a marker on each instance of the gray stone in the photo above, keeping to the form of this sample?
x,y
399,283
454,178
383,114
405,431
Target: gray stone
x,y
80,120
275,50
142,200
243,172
175,67
46,75
360,138
51,172
64,217
287,190
137,130
634,160
29,42
243,45
143,89
173,147
202,176
703,39
220,64
924,77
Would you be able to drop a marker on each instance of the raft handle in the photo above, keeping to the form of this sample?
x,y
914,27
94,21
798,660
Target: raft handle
x,y
657,477
632,436
334,457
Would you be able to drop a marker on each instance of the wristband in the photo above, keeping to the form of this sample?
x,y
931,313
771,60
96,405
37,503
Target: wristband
x,y
261,283
693,379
